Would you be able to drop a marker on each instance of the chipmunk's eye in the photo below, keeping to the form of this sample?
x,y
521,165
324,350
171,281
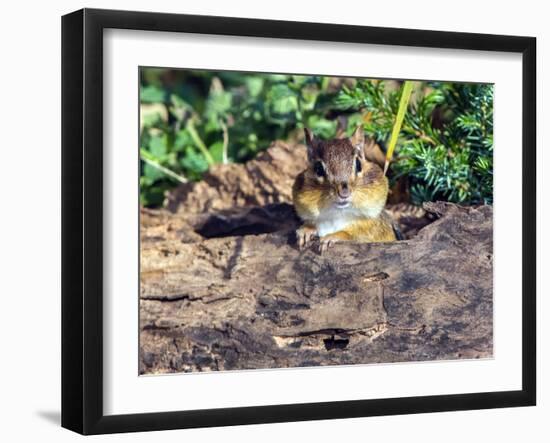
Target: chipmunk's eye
x,y
319,169
358,166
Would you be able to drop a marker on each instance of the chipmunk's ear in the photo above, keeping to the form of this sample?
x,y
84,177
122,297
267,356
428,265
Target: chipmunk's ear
x,y
312,143
358,141
341,126
373,152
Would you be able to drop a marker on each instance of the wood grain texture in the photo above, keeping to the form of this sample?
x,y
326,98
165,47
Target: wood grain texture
x,y
256,301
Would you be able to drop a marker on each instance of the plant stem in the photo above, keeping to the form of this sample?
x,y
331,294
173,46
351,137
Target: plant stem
x,y
161,168
225,141
406,91
198,141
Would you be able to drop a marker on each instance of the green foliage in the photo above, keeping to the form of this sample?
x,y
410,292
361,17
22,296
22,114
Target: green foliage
x,y
445,150
191,120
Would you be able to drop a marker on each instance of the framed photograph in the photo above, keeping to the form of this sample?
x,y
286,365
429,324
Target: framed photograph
x,y
269,221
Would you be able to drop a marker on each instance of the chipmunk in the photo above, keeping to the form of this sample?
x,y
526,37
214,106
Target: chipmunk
x,y
341,195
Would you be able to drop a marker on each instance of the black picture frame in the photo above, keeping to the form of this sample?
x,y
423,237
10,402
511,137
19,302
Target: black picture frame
x,y
82,219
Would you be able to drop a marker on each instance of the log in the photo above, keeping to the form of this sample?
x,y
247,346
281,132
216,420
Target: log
x,y
231,291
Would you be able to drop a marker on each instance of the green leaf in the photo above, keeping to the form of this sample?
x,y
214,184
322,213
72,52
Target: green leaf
x,y
179,108
151,119
158,146
254,85
194,162
183,139
151,94
152,173
323,127
283,100
216,149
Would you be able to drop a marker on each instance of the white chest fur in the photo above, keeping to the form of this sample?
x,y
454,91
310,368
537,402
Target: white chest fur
x,y
334,219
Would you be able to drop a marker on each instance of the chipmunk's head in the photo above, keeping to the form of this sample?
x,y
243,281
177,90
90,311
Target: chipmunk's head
x,y
346,178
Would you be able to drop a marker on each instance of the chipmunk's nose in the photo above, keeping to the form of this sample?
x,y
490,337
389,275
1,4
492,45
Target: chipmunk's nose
x,y
343,190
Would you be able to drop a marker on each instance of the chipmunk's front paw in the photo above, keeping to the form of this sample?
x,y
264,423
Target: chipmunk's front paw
x,y
326,242
305,234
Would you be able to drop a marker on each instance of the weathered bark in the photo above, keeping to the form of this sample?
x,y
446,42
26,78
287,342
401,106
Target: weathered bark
x,y
228,299
265,180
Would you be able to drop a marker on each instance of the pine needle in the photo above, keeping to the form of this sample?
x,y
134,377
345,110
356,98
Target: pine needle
x,y
406,91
